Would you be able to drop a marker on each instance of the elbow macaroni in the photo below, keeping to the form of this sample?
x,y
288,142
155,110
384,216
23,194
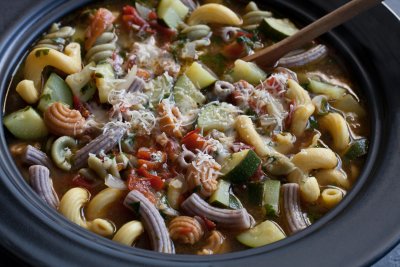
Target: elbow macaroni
x,y
332,177
102,202
71,206
336,125
128,233
315,158
331,197
304,107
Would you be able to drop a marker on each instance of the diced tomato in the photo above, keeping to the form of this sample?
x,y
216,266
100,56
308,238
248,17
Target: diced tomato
x,y
185,230
101,20
164,32
209,224
79,106
247,34
193,140
150,165
80,181
153,15
142,185
144,74
150,158
233,50
130,16
155,181
144,153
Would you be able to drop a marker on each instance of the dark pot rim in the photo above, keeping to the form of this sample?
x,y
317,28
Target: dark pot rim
x,y
40,236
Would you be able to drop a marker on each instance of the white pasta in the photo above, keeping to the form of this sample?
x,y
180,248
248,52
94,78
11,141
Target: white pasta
x,y
102,202
331,197
304,107
26,89
315,158
309,189
128,233
69,62
71,206
284,142
336,125
332,177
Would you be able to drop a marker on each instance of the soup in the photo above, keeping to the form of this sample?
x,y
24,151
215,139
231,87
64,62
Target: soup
x,y
142,124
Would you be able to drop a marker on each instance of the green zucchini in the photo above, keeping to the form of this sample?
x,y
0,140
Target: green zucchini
x,y
263,234
255,192
55,90
277,29
248,71
223,197
185,86
26,124
271,197
327,89
162,86
104,73
172,12
241,166
357,148
81,83
200,76
219,116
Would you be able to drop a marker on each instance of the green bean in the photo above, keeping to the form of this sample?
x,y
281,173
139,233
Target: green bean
x,y
61,152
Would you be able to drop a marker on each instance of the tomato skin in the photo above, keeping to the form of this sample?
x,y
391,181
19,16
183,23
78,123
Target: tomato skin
x,y
233,50
142,185
101,20
193,140
131,16
155,181
80,181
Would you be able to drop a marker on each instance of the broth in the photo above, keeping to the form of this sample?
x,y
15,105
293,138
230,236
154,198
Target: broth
x,y
179,107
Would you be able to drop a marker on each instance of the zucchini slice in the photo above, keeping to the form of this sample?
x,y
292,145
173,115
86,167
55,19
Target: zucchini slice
x,y
185,86
223,196
55,90
104,73
277,29
357,148
26,124
263,234
255,192
271,197
172,12
248,71
241,166
330,90
219,116
200,76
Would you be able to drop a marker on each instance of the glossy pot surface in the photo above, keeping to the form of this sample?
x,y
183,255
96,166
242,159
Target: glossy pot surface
x,y
357,232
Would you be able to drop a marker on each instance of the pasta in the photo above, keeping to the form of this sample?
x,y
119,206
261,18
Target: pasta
x,y
71,205
159,136
336,125
128,233
331,197
102,203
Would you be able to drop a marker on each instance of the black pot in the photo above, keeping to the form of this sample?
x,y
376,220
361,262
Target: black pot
x,y
359,231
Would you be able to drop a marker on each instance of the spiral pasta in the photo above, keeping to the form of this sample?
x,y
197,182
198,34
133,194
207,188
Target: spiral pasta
x,y
56,38
60,120
104,46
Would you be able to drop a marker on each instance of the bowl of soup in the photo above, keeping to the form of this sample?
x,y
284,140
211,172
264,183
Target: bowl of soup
x,y
133,133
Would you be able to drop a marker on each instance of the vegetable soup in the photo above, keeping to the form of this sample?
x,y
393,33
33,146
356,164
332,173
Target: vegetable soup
x,y
138,121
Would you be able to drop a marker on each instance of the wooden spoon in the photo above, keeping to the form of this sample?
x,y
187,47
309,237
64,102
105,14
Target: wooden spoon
x,y
268,56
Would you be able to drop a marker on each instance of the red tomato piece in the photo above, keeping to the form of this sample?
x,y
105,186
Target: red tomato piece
x,y
101,20
193,140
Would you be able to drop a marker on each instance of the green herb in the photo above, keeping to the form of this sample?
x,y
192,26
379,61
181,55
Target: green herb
x,y
45,97
313,123
216,62
358,148
270,212
99,75
41,52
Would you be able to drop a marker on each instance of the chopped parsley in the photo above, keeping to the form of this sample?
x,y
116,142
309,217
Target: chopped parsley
x,y
42,52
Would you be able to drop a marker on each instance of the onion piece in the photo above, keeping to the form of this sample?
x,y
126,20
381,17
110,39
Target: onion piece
x,y
114,182
304,58
294,217
143,11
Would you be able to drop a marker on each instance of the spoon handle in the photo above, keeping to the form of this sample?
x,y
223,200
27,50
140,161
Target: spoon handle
x,y
270,55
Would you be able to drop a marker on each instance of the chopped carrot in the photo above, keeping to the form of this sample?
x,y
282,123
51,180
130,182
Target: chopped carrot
x,y
102,19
